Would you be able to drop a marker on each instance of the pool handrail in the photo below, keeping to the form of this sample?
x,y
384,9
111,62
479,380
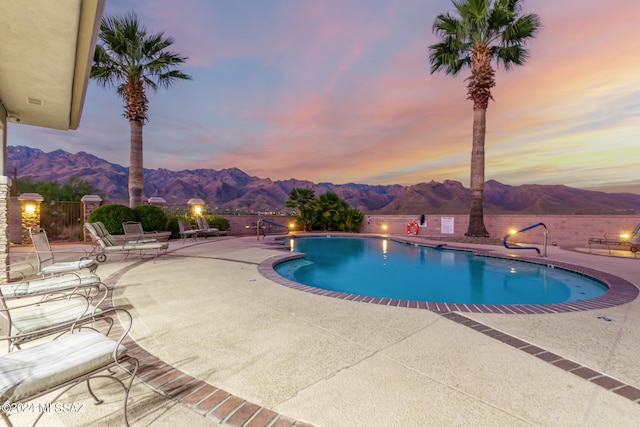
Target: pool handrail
x,y
546,232
259,226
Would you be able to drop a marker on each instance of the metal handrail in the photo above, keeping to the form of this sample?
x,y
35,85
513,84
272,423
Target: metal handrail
x,y
260,227
546,232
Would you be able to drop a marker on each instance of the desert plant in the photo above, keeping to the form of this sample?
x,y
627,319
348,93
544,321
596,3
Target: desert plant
x,y
112,216
151,217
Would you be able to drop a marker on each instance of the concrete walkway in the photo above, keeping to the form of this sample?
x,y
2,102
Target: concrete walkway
x,y
206,311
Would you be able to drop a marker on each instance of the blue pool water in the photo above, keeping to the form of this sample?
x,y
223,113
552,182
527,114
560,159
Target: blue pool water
x,y
384,268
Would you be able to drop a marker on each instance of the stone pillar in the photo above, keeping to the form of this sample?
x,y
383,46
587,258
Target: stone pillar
x,y
5,184
196,207
90,203
158,201
30,210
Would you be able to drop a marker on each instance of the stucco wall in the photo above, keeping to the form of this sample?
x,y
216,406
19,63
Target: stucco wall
x,y
564,230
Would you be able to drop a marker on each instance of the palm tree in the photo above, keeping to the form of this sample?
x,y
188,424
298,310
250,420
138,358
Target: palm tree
x,y
302,199
484,30
329,209
133,61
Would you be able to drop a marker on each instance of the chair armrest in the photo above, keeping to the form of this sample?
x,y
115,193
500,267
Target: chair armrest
x,y
21,270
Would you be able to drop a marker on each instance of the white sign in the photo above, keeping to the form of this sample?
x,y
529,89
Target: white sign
x,y
446,225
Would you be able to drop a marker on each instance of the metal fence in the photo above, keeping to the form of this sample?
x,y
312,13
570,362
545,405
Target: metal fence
x,y
62,220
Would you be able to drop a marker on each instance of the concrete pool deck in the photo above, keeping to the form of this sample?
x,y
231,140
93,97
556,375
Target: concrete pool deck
x,y
241,349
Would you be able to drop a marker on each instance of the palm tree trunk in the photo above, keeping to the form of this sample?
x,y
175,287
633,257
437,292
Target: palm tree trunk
x,y
476,216
136,172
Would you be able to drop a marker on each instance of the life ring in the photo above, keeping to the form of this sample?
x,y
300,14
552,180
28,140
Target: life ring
x,y
413,224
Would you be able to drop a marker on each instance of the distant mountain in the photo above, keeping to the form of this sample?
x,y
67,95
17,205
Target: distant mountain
x,y
234,189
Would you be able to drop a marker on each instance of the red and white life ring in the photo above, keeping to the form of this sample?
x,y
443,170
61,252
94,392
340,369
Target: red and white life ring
x,y
413,224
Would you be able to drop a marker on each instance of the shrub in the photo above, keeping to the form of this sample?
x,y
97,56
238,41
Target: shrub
x,y
112,216
151,217
218,222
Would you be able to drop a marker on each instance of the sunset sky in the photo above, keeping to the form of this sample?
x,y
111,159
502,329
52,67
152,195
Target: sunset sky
x,y
340,91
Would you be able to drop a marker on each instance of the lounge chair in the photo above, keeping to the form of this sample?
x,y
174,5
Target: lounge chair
x,y
47,264
633,241
105,243
27,318
186,230
52,284
204,229
69,360
134,232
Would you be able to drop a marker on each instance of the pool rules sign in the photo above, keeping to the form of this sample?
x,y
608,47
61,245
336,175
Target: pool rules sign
x,y
446,224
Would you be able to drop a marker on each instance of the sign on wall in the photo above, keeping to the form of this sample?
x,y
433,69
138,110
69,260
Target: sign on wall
x,y
446,225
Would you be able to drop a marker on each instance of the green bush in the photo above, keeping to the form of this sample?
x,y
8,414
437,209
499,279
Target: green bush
x,y
218,222
112,216
151,217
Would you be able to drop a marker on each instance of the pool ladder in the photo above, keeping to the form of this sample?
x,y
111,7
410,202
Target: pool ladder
x,y
546,232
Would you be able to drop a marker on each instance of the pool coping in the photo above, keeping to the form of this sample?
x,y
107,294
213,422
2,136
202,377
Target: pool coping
x,y
620,291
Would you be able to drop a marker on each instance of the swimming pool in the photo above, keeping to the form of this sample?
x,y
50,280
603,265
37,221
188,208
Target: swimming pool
x,y
384,268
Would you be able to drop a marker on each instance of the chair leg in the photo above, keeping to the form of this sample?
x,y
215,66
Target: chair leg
x,y
97,400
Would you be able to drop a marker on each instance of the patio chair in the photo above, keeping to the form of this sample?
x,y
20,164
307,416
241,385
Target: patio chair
x,y
42,286
204,229
28,318
105,243
134,232
47,264
186,230
633,241
62,363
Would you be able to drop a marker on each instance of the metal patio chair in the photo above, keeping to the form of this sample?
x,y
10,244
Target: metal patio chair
x,y
104,243
47,264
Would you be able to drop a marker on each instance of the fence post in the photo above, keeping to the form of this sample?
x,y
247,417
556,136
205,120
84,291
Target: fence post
x,y
90,203
158,201
30,214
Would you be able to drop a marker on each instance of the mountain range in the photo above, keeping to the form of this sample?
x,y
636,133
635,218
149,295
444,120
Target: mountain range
x,y
233,189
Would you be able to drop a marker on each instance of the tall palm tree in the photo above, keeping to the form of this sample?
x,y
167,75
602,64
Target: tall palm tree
x,y
133,61
485,30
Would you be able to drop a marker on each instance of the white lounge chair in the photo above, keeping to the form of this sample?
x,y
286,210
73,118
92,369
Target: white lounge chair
x,y
105,243
27,318
41,286
633,241
69,360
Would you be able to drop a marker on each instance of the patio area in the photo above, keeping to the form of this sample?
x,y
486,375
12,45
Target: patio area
x,y
221,344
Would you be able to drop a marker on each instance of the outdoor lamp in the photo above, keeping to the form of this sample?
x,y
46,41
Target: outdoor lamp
x,y
30,208
196,206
